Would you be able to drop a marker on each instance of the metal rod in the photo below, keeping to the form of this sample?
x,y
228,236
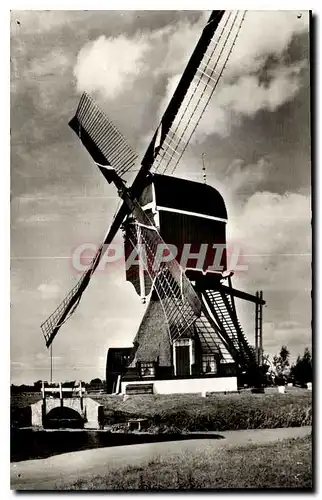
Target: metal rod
x,y
51,363
204,168
261,328
256,328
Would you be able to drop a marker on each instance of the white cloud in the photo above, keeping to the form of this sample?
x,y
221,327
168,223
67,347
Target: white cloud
x,y
298,338
49,290
264,33
242,176
35,219
171,47
248,95
274,224
274,234
16,364
240,91
110,65
53,63
131,68
35,22
288,325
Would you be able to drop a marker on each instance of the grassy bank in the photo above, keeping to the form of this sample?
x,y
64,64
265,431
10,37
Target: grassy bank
x,y
175,413
284,464
191,412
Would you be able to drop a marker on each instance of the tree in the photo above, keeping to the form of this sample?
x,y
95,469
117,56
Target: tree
x,y
96,384
281,364
267,369
69,383
302,370
38,385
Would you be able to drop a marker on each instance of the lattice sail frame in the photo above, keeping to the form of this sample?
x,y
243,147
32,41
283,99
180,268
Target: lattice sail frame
x,y
102,139
200,92
56,319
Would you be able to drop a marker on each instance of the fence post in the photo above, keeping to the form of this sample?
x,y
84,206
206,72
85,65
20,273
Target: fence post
x,y
81,395
61,395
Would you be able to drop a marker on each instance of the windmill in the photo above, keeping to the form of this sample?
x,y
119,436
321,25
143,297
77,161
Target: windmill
x,y
188,303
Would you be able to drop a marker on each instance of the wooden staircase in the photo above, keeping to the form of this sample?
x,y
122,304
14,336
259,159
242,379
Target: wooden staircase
x,y
223,310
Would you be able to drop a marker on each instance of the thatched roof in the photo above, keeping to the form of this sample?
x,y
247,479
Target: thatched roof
x,y
152,338
152,341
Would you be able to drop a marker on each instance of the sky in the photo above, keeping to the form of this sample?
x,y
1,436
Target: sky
x,y
255,137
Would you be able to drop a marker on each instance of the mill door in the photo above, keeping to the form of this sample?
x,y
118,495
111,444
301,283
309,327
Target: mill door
x,y
182,360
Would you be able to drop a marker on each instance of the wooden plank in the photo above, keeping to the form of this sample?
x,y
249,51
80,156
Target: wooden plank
x,y
64,389
242,295
139,389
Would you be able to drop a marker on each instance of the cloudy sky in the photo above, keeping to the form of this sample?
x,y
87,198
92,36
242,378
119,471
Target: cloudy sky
x,y
255,137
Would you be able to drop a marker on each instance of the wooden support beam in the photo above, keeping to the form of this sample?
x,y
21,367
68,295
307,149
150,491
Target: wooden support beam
x,y
209,282
64,389
242,295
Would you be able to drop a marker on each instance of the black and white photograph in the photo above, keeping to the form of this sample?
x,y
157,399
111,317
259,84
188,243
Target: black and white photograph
x,y
161,250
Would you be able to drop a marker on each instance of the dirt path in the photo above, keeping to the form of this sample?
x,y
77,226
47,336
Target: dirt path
x,y
45,474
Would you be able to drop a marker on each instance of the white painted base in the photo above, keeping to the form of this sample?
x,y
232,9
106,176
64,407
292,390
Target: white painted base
x,y
90,407
188,385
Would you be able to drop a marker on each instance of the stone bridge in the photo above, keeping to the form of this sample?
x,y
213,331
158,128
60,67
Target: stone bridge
x,y
83,411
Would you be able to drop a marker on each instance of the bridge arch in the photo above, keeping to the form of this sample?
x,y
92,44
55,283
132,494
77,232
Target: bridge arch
x,y
63,416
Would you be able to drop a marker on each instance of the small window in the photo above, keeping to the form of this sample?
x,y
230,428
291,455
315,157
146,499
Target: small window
x,y
209,364
147,369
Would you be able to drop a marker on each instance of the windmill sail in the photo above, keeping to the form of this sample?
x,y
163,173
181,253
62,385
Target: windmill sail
x,y
199,93
55,321
107,146
176,102
101,138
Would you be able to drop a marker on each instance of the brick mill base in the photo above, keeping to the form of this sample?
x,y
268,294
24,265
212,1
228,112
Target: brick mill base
x,y
188,385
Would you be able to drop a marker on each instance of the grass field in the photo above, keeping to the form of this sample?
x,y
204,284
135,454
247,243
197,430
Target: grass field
x,y
214,413
21,400
191,412
284,464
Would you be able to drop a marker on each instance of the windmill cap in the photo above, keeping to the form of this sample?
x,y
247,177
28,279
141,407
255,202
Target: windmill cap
x,y
191,196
